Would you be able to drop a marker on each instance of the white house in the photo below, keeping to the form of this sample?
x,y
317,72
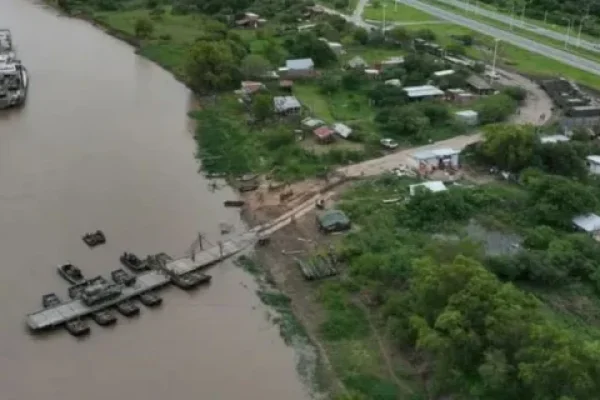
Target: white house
x,y
435,157
342,130
286,105
421,92
468,117
593,163
589,223
434,186
554,139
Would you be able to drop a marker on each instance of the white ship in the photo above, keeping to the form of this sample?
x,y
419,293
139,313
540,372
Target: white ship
x,y
14,79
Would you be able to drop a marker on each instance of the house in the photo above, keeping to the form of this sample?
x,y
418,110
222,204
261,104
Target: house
x,y
342,130
433,186
286,85
394,82
299,67
324,134
436,158
287,105
589,223
250,20
333,221
467,117
372,73
460,96
423,92
336,47
251,87
554,139
306,27
391,62
446,72
357,62
593,163
312,123
479,85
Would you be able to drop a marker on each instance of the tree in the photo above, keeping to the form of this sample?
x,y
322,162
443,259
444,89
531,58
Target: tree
x,y
254,66
212,66
307,45
329,82
495,108
143,28
273,52
352,79
400,35
361,35
509,147
262,106
561,159
405,121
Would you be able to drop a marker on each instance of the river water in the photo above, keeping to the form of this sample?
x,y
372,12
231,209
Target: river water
x,y
104,143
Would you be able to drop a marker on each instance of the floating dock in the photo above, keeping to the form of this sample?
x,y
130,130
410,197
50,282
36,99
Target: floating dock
x,y
146,281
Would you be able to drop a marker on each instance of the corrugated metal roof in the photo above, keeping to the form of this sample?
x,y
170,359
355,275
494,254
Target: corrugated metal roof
x,y
423,91
300,64
434,186
588,223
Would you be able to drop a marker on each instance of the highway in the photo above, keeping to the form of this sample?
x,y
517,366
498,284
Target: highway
x,y
509,37
506,19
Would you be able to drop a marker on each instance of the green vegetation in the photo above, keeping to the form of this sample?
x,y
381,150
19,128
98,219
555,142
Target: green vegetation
x,y
491,318
395,13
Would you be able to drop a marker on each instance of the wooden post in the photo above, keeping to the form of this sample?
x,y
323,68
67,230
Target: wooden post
x,y
221,248
200,241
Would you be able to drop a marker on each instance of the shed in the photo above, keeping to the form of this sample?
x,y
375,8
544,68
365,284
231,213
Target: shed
x,y
357,62
251,87
300,64
372,72
479,85
425,91
333,221
286,105
554,139
589,223
394,82
446,72
312,123
392,62
468,117
437,157
433,186
593,163
342,130
324,134
337,48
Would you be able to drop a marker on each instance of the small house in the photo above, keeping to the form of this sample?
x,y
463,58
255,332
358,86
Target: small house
x,y
357,62
391,62
593,163
479,85
333,221
250,20
286,85
394,82
312,123
336,47
446,72
589,223
467,117
342,130
436,158
372,73
554,139
299,67
324,134
433,186
306,27
423,92
250,87
286,105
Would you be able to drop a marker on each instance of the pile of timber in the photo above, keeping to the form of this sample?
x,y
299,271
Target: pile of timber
x,y
317,268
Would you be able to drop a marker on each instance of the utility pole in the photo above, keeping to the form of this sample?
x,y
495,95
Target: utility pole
x,y
512,16
494,59
523,14
568,32
545,16
581,26
384,6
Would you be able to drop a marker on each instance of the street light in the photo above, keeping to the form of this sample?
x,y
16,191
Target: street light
x,y
523,14
512,16
580,26
494,59
568,31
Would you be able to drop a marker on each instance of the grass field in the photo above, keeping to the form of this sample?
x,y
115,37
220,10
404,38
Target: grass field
x,y
397,13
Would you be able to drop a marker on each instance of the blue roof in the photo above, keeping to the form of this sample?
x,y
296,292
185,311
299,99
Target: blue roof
x,y
301,63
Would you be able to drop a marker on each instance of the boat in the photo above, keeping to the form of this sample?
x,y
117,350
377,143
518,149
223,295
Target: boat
x,y
150,299
128,308
77,327
133,262
190,280
248,186
94,239
234,203
14,78
122,277
50,300
71,273
75,291
100,292
99,280
104,317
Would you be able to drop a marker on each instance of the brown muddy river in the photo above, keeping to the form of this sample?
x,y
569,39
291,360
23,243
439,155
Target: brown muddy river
x,y
104,143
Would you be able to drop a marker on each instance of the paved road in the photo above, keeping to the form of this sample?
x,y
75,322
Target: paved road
x,y
527,44
526,26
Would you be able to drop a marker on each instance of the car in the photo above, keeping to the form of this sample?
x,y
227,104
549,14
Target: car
x,y
389,143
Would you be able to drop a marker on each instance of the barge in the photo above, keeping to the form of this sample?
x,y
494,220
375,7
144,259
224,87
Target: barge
x,y
14,78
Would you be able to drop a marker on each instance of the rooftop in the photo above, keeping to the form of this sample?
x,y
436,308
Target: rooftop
x,y
434,186
333,217
300,64
357,61
445,72
323,132
593,159
466,113
554,139
285,103
312,122
423,91
342,130
588,223
478,83
428,154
